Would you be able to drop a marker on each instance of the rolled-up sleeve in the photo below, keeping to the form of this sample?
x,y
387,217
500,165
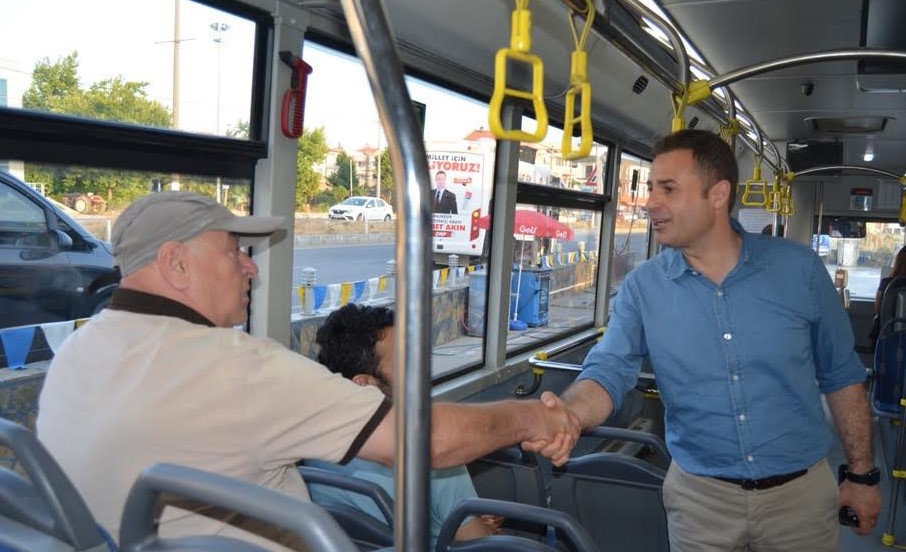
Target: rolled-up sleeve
x,y
836,363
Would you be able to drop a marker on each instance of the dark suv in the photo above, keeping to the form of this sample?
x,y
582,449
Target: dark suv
x,y
51,269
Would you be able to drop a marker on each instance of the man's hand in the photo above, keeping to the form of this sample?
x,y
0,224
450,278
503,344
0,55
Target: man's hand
x,y
865,500
557,433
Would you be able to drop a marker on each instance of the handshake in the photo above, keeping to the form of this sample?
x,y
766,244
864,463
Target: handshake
x,y
556,430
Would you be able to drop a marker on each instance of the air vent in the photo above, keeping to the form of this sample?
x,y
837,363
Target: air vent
x,y
693,122
640,84
847,125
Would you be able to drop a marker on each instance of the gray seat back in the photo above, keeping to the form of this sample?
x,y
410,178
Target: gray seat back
x,y
617,498
366,531
571,534
511,475
44,512
138,529
892,311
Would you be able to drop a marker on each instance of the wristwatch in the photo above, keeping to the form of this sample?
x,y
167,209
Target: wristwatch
x,y
870,478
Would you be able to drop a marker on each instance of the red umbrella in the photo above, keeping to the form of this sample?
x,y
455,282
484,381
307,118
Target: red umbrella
x,y
533,223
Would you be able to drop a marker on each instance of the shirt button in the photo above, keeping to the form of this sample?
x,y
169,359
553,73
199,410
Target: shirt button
x,y
728,336
742,417
750,458
695,273
735,377
720,293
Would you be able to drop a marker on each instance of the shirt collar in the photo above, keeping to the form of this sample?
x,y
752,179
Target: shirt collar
x,y
139,302
677,265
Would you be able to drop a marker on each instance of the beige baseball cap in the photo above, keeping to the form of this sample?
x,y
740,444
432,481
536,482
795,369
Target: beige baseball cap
x,y
176,216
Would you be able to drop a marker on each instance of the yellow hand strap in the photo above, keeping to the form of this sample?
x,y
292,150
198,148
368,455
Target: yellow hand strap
x,y
774,199
786,197
902,217
730,130
755,193
578,79
520,44
697,91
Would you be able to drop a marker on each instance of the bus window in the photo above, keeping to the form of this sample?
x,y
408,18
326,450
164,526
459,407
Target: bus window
x,y
53,279
552,283
346,204
867,258
124,64
632,225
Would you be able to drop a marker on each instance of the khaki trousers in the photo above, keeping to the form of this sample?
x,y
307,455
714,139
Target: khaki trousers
x,y
709,515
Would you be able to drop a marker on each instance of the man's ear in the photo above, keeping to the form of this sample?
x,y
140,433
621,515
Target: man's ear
x,y
364,380
171,258
720,194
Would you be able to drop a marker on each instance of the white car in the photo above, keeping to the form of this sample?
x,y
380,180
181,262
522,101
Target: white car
x,y
361,207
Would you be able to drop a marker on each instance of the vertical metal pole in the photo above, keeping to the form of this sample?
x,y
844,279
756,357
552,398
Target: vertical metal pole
x,y
608,232
371,34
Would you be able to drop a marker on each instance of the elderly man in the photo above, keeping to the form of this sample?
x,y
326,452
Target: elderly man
x,y
163,375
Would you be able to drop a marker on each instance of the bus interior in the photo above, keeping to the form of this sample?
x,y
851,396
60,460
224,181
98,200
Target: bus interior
x,y
287,107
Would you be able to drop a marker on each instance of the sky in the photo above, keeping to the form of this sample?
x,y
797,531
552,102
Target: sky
x,y
134,39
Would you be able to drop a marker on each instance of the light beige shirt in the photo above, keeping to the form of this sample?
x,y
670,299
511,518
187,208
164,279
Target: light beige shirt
x,y
127,390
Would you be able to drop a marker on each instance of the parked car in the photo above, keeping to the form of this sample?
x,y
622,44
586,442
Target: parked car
x,y
361,208
51,268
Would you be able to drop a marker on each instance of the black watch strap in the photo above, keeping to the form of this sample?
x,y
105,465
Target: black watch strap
x,y
871,477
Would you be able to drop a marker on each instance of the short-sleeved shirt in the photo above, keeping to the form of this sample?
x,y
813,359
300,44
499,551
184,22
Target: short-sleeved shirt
x,y
449,487
130,389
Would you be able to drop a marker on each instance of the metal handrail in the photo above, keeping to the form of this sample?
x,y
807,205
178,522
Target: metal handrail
x,y
803,59
857,168
676,41
370,31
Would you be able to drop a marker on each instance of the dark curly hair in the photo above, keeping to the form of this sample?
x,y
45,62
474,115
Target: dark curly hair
x,y
348,336
713,157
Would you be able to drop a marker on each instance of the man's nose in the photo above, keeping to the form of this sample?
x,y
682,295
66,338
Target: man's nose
x,y
248,266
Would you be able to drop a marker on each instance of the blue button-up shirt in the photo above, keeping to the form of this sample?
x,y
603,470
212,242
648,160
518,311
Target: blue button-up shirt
x,y
740,365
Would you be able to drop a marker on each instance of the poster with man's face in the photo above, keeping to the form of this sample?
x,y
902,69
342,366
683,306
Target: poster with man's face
x,y
456,200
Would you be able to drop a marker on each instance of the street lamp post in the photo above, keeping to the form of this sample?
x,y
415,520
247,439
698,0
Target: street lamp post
x,y
219,29
350,176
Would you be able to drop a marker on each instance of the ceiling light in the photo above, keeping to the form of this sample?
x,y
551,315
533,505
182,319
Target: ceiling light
x,y
869,156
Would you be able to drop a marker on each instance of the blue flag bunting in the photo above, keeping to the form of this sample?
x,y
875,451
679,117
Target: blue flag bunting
x,y
16,344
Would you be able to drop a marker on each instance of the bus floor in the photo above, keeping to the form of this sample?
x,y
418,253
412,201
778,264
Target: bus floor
x,y
884,439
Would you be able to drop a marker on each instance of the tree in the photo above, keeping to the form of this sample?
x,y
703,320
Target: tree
x,y
240,130
388,183
344,177
55,88
51,83
312,149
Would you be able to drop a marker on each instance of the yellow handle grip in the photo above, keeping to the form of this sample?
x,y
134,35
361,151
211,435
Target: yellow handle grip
x,y
786,201
502,91
755,189
579,79
902,217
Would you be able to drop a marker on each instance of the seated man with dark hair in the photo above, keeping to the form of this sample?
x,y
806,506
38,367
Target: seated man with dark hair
x,y
356,341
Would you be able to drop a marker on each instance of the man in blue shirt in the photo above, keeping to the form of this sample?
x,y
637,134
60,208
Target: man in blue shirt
x,y
744,333
356,341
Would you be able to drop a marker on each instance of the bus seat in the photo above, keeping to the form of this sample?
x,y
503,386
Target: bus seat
x,y
617,497
45,511
366,531
889,367
138,529
893,304
511,475
653,448
569,532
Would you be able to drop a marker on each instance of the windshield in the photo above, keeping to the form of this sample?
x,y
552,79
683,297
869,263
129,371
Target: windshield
x,y
355,201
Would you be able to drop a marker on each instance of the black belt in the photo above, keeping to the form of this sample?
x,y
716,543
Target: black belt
x,y
764,482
